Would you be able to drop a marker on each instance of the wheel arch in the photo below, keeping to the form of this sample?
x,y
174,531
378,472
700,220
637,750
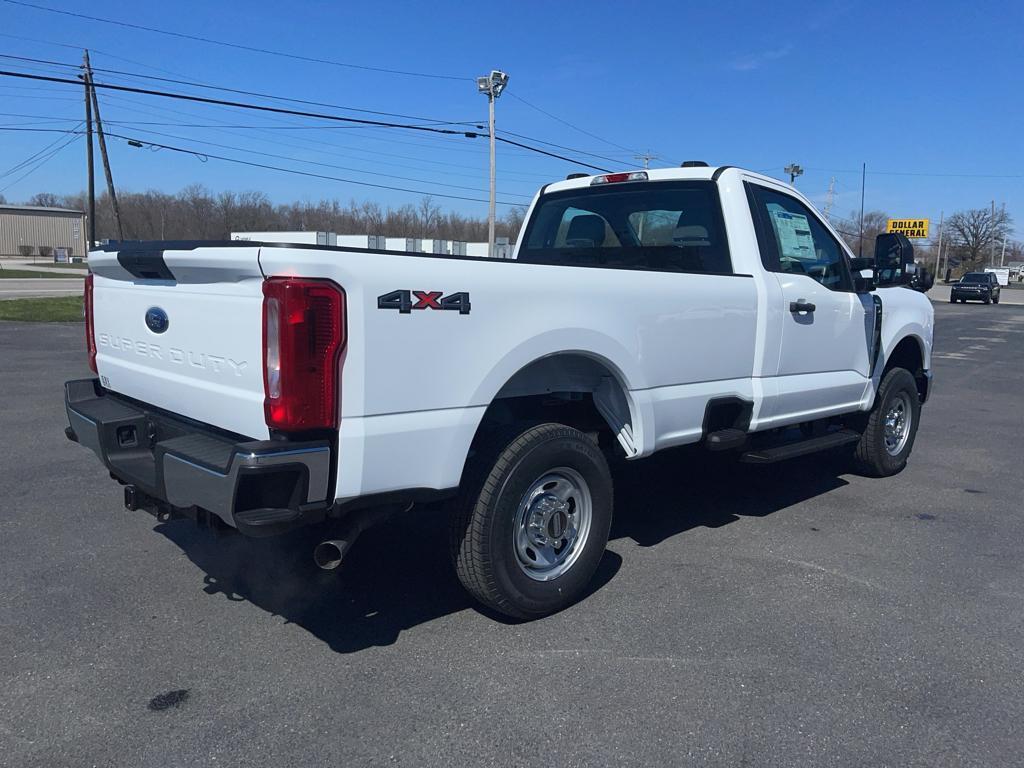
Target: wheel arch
x,y
909,352
582,388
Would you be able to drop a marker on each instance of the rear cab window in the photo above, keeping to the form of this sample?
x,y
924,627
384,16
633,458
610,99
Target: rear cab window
x,y
665,226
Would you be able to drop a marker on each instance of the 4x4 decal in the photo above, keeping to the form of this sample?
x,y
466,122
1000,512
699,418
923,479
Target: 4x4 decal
x,y
406,301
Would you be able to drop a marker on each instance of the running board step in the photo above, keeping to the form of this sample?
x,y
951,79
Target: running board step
x,y
725,439
791,450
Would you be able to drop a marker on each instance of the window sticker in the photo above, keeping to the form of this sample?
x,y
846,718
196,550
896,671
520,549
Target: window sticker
x,y
794,232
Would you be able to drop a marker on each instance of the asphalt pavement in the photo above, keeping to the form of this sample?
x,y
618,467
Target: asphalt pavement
x,y
794,615
39,287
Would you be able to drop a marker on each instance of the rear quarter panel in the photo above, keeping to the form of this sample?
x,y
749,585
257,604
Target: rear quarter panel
x,y
414,386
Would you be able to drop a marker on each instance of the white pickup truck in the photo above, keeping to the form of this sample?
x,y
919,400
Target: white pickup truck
x,y
265,387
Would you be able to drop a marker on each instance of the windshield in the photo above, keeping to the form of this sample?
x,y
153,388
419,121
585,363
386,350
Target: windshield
x,y
664,226
975,277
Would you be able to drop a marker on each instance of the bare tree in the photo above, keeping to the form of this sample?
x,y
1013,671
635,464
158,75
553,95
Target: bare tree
x,y
429,215
875,222
975,231
45,200
196,213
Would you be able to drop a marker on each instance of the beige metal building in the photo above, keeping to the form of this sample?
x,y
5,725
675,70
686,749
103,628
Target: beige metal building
x,y
34,226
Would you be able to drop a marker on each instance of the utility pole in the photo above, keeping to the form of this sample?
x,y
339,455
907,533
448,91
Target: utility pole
x,y
938,256
863,179
793,170
1002,256
830,197
103,151
492,85
992,234
88,154
646,158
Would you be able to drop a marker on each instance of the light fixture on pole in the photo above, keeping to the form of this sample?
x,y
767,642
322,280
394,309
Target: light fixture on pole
x,y
492,85
793,170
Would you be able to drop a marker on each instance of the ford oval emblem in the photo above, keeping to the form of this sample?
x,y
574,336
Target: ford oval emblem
x,y
156,320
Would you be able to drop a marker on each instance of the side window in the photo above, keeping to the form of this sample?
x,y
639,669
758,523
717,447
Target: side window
x,y
793,240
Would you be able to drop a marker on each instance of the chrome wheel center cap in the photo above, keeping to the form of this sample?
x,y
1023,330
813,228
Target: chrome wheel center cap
x,y
549,520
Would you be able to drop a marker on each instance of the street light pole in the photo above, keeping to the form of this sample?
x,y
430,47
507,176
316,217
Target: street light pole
x,y
492,85
793,170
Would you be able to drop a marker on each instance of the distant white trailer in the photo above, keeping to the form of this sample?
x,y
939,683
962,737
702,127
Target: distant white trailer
x,y
373,242
1002,274
413,244
476,249
305,238
433,245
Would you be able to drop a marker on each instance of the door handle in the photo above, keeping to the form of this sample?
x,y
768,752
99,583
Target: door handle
x,y
801,305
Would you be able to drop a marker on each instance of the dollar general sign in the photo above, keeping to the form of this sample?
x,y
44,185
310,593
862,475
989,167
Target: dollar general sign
x,y
912,228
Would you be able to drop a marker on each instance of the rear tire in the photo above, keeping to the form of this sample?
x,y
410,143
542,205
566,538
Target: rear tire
x,y
952,300
888,435
531,522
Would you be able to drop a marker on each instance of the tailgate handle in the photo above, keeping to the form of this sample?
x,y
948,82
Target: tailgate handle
x,y
145,265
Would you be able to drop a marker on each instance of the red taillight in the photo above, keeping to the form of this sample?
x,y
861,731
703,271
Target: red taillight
x,y
90,327
303,337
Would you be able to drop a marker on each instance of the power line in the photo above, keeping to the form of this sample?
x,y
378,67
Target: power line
x,y
236,104
567,123
194,84
309,162
562,146
237,46
277,141
431,121
284,111
373,152
305,173
550,154
15,168
43,160
925,173
208,156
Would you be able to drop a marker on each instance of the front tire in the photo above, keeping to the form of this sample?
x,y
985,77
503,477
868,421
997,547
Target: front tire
x,y
531,522
888,435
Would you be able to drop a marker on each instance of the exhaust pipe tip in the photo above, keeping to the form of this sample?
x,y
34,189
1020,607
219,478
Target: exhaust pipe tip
x,y
328,554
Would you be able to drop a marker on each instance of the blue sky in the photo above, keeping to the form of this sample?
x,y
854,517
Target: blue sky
x,y
931,88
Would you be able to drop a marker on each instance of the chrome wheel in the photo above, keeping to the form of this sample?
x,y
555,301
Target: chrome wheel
x,y
552,524
897,423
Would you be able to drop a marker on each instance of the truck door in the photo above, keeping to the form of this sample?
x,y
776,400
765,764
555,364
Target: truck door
x,y
826,335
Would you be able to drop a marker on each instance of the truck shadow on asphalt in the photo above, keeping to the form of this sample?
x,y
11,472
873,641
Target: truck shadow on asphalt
x,y
398,575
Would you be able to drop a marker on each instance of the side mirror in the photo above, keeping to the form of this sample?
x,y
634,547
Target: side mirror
x,y
863,270
894,259
923,280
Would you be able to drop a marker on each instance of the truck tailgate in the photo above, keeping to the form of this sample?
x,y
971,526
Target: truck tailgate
x,y
181,329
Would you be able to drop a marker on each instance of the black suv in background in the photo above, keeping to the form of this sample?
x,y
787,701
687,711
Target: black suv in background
x,y
977,286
